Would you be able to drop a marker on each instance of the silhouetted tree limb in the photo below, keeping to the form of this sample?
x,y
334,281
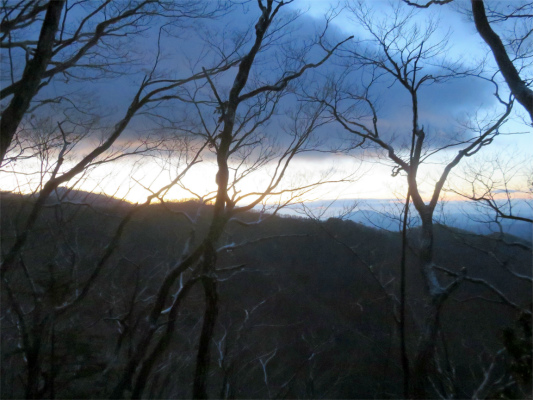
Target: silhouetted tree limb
x,y
32,76
518,87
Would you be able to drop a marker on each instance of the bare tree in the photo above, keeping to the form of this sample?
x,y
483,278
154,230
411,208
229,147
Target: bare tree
x,y
201,258
400,52
60,165
233,137
246,122
227,139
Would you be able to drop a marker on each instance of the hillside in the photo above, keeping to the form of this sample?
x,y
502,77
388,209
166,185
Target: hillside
x,y
317,299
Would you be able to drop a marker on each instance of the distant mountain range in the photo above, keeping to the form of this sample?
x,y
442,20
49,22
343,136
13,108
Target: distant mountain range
x,y
385,214
377,213
319,298
65,195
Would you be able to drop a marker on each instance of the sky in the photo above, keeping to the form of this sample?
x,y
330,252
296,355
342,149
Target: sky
x,y
366,173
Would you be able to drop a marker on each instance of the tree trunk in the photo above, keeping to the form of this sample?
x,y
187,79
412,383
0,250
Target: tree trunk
x,y
403,300
31,77
518,87
423,364
204,354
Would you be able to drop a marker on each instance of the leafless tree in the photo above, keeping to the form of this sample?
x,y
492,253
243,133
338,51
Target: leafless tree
x,y
400,52
200,258
57,167
227,138
233,137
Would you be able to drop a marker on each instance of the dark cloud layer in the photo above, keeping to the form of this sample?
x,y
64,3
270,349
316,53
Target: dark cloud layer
x,y
440,104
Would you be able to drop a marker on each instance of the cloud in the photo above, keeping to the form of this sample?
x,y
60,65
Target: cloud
x,y
440,104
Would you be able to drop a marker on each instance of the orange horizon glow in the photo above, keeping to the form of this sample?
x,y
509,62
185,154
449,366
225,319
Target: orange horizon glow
x,y
124,182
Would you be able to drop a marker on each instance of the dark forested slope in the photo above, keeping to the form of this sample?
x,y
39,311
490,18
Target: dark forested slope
x,y
306,308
